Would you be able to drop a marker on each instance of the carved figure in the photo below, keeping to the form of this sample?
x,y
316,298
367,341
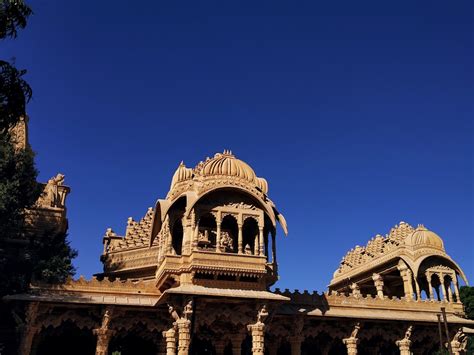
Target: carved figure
x,y
247,250
173,312
188,310
262,314
408,333
227,243
106,319
355,290
51,196
355,330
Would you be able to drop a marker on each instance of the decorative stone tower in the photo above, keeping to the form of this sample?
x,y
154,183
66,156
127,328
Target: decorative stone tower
x,y
216,228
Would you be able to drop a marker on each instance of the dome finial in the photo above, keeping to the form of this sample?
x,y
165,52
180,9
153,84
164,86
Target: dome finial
x,y
421,227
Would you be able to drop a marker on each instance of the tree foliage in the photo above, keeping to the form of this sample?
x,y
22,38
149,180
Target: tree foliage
x,y
14,95
13,16
22,256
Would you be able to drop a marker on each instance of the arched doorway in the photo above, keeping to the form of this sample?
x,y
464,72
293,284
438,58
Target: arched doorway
x,y
66,339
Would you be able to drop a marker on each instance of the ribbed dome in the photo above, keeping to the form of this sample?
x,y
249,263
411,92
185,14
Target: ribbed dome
x,y
227,164
423,237
181,174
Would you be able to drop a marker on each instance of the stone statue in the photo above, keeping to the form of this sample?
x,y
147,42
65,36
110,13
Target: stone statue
x,y
173,312
262,314
355,290
188,310
247,250
51,196
355,331
106,319
226,241
408,333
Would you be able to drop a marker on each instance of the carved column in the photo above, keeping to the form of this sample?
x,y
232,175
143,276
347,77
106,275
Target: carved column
x,y
195,236
237,340
430,287
170,339
443,287
240,238
104,333
418,291
456,288
220,345
295,343
406,275
404,346
30,328
274,255
184,336
261,241
405,343
378,282
218,231
351,345
351,342
257,331
103,340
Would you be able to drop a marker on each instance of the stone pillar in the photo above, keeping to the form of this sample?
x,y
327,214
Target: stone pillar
x,y
103,339
378,282
220,345
443,287
295,343
418,292
257,331
428,278
406,275
184,335
236,341
404,346
30,328
218,231
405,343
274,255
195,236
170,340
351,345
261,241
28,336
456,288
240,239
351,341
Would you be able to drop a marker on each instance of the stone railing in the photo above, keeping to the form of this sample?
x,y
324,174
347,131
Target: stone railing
x,y
327,300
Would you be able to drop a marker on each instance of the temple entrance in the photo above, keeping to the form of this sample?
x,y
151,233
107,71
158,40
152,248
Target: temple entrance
x,y
66,339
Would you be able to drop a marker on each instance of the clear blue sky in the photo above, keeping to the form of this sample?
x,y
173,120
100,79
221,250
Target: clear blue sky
x,y
358,113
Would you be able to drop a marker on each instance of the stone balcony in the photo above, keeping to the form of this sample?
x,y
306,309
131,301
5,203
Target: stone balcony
x,y
214,268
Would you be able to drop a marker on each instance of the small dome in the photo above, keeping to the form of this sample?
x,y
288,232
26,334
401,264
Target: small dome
x,y
227,164
422,237
181,174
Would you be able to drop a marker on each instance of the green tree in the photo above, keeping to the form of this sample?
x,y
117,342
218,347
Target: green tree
x,y
466,294
22,256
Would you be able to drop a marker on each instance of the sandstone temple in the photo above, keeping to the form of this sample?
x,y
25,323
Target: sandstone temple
x,y
195,275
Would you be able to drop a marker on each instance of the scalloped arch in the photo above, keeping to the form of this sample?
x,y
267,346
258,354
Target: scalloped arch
x,y
447,258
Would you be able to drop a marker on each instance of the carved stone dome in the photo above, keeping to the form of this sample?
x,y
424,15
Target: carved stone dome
x,y
226,164
181,174
422,237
